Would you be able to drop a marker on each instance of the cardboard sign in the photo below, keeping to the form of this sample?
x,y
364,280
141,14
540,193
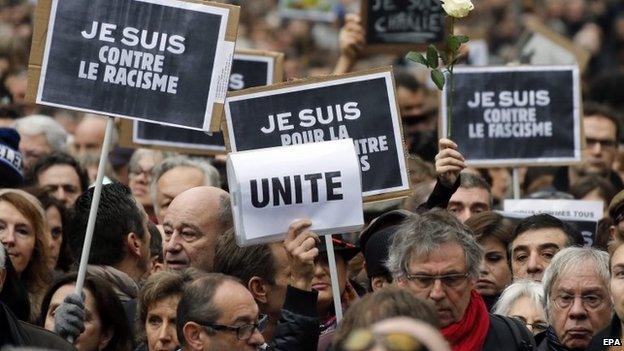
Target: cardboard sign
x,y
313,10
401,25
540,45
136,59
318,181
514,116
250,68
361,106
580,214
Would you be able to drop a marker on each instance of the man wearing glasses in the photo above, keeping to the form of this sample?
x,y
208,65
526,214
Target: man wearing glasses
x,y
578,303
437,258
601,129
217,313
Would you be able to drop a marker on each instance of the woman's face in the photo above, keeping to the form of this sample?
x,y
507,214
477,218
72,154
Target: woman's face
x,y
494,272
322,281
530,313
55,235
160,324
93,338
17,235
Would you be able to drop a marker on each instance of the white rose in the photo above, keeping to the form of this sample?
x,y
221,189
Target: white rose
x,y
457,8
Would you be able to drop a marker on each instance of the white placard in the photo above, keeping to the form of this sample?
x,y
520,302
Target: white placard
x,y
270,188
564,209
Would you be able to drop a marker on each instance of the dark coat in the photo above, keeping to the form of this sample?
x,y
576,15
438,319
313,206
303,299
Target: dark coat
x,y
298,327
17,333
612,331
508,334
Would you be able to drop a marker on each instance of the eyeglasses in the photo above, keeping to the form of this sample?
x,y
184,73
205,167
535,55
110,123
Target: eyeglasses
x,y
364,340
137,171
243,332
425,281
590,301
537,327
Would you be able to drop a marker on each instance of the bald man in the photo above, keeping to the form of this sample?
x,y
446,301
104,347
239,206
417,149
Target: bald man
x,y
193,222
89,135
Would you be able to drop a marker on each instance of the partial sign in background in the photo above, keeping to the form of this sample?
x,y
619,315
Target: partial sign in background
x,y
402,25
312,10
581,214
250,68
318,181
361,106
134,59
515,116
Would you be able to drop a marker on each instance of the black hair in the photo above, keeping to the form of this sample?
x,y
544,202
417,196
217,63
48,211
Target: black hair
x,y
543,220
156,247
118,215
54,159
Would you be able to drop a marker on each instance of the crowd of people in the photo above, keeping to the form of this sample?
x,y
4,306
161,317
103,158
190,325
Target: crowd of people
x,y
439,270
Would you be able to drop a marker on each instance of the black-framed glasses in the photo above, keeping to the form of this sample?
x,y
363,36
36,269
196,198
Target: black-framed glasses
x,y
425,281
604,143
243,332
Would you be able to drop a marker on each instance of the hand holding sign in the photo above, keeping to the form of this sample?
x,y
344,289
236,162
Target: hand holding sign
x,y
301,248
449,162
352,39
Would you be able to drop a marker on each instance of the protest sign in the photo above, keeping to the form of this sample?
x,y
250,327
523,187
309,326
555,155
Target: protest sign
x,y
135,59
581,214
318,181
514,116
361,106
540,45
401,25
250,68
313,10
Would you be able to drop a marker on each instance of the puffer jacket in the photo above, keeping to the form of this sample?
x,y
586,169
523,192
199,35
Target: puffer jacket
x,y
298,326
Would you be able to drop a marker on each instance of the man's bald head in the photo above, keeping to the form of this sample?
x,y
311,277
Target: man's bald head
x,y
89,135
194,221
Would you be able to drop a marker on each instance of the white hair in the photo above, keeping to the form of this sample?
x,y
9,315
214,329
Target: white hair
x,y
533,290
211,174
54,133
571,259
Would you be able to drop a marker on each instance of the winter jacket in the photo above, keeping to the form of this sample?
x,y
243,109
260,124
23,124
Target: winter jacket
x,y
508,334
298,326
17,333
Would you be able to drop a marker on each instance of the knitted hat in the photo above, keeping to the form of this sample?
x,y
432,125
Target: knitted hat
x,y
11,171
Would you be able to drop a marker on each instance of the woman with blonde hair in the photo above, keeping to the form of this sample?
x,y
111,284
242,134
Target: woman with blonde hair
x,y
23,234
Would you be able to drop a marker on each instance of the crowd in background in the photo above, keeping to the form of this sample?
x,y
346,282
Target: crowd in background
x,y
438,270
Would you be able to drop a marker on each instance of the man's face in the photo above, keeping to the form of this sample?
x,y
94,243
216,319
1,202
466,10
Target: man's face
x,y
237,308
412,107
89,136
139,178
277,293
450,301
532,251
601,145
617,281
174,182
190,234
579,306
33,147
62,183
468,201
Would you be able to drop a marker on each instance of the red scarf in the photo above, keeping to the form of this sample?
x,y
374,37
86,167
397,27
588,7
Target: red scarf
x,y
469,333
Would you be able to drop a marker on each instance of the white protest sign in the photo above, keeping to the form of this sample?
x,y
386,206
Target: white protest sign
x,y
568,209
318,181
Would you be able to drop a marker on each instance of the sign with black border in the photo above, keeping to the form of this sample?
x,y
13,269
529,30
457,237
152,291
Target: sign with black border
x,y
515,115
135,59
361,106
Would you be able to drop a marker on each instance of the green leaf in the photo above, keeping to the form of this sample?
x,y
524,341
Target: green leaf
x,y
444,57
462,38
438,78
453,43
417,57
432,56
